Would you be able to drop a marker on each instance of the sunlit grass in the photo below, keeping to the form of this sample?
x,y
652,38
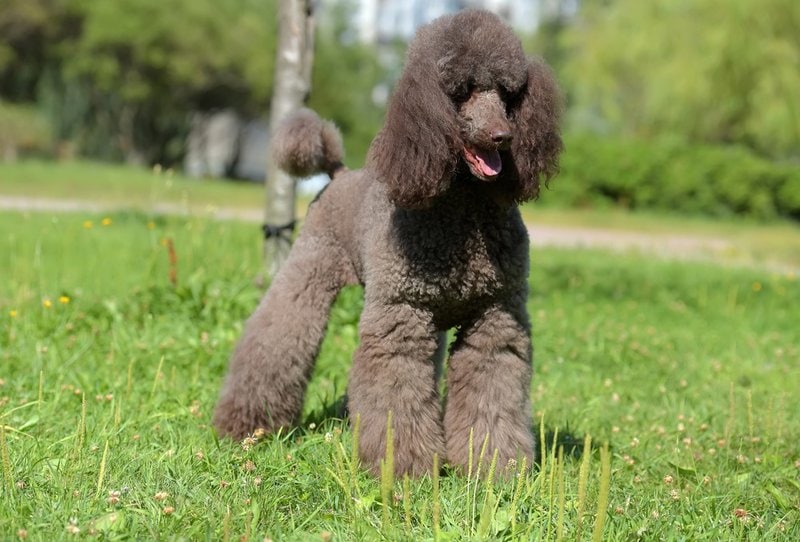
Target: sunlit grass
x,y
686,371
116,185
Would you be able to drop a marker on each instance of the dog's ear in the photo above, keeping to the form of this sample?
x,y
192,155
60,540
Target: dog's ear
x,y
537,140
416,152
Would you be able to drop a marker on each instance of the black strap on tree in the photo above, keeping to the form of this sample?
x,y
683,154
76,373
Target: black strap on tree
x,y
281,232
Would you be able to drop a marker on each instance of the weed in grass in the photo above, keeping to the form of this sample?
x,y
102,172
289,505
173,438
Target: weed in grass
x,y
8,477
583,480
602,498
436,514
387,473
406,505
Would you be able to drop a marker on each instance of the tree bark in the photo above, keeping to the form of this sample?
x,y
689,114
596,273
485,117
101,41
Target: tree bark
x,y
292,85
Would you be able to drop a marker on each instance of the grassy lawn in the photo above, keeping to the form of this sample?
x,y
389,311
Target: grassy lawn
x,y
117,185
109,372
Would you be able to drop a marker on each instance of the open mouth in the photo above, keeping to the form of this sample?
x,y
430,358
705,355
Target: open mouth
x,y
484,163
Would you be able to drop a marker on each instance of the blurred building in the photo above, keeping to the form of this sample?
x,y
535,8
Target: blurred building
x,y
381,21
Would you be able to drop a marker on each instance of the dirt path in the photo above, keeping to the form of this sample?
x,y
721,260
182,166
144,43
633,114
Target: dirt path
x,y
662,245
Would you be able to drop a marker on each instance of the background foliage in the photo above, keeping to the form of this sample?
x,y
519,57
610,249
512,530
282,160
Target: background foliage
x,y
712,71
119,80
687,105
671,174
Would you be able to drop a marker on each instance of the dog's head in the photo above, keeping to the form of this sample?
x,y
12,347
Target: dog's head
x,y
469,107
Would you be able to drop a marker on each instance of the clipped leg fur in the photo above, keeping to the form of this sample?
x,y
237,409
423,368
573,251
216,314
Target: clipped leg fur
x,y
270,368
393,370
488,383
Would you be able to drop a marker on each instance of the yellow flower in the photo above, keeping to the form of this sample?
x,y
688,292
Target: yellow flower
x,y
12,313
151,225
63,300
106,221
46,303
88,224
756,286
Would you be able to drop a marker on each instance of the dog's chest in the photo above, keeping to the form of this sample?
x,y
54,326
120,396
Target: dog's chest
x,y
455,268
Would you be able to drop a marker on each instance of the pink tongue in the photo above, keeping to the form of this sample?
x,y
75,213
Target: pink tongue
x,y
489,162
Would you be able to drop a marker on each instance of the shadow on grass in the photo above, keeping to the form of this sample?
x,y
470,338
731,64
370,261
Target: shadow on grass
x,y
571,442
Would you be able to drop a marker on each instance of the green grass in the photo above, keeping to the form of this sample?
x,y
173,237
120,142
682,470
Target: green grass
x,y
109,372
116,185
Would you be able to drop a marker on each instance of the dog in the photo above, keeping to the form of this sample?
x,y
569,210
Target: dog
x,y
430,227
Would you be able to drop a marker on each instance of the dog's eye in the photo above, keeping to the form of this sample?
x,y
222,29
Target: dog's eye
x,y
462,93
508,96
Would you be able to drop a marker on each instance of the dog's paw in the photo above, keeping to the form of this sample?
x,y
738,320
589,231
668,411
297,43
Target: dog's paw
x,y
236,422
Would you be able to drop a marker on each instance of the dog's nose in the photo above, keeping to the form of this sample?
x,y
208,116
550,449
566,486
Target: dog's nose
x,y
501,137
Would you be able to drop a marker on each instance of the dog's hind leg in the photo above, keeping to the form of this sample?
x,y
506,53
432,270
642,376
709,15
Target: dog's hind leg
x,y
270,368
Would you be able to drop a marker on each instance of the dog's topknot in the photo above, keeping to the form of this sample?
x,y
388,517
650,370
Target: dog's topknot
x,y
304,145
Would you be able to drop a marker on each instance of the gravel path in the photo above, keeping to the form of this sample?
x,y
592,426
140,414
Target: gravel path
x,y
662,245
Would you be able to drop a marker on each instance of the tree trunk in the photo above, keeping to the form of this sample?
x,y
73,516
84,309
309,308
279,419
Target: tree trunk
x,y
291,88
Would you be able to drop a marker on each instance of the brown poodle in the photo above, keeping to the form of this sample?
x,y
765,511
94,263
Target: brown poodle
x,y
431,229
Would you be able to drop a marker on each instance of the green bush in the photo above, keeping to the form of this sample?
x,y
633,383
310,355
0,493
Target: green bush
x,y
672,175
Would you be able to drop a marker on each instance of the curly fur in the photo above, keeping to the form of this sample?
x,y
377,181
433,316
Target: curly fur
x,y
431,229
304,145
417,152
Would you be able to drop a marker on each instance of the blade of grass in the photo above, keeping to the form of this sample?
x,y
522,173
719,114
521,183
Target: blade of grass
x,y
5,458
583,479
731,414
602,497
551,483
102,471
521,474
129,383
489,501
387,473
561,496
474,499
436,504
407,504
354,451
470,459
542,454
41,389
156,377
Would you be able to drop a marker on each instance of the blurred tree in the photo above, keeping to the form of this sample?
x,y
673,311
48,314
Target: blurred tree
x,y
293,65
343,78
120,78
29,32
719,71
548,39
147,64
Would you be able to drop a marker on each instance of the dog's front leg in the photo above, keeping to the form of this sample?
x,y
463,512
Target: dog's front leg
x,y
393,371
488,388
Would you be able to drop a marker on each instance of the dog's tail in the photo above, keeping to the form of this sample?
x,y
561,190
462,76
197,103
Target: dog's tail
x,y
304,145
